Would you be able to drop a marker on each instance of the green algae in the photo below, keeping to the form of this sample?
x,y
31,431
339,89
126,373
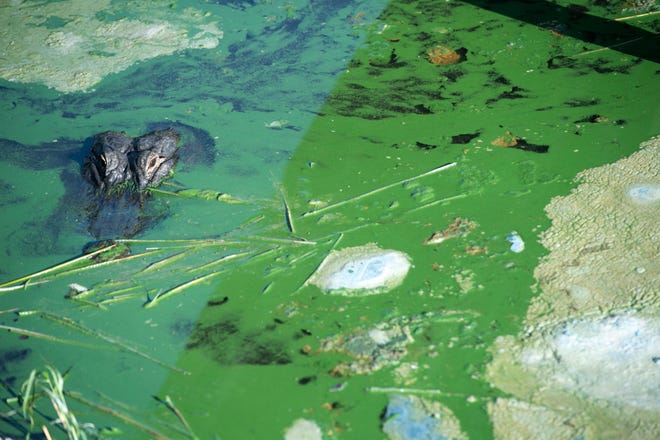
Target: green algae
x,y
256,349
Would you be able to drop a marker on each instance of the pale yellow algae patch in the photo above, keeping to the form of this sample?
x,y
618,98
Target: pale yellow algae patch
x,y
588,362
72,45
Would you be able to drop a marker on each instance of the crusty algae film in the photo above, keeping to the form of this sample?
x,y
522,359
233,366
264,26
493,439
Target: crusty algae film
x,y
72,45
586,365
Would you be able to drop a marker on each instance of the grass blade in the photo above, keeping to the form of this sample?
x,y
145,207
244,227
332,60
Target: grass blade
x,y
220,260
170,405
38,335
417,391
288,219
117,414
164,262
107,338
180,288
58,267
109,262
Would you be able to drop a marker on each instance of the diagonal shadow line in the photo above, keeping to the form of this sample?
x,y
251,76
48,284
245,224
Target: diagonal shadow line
x,y
616,35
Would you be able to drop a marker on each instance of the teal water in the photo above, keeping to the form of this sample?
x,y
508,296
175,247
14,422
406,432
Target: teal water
x,y
314,104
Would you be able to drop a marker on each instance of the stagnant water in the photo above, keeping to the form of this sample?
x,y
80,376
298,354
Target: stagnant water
x,y
437,130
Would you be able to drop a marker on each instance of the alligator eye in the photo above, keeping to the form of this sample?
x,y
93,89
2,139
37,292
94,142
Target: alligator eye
x,y
152,162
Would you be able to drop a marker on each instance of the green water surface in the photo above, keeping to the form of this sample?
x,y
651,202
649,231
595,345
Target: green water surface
x,y
240,352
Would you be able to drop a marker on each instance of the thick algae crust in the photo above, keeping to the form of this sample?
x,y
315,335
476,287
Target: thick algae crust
x,y
71,45
589,354
603,243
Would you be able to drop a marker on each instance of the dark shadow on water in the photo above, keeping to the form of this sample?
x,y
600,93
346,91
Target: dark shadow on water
x,y
617,35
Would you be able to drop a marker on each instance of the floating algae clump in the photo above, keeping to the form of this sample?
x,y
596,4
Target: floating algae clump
x,y
586,365
361,270
71,45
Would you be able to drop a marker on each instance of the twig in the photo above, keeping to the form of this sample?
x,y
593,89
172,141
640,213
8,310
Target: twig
x,y
436,202
377,190
631,17
589,52
46,433
419,391
282,240
192,241
22,286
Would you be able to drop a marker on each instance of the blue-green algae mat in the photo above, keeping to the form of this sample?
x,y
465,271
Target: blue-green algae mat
x,y
448,134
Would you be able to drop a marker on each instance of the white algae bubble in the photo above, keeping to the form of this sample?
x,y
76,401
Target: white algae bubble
x,y
361,270
644,194
589,352
414,418
610,358
303,429
597,371
517,243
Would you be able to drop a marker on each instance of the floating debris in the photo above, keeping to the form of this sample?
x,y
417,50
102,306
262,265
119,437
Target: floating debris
x,y
303,429
383,344
372,348
476,250
511,141
277,125
508,140
460,227
412,418
517,243
76,289
442,55
361,270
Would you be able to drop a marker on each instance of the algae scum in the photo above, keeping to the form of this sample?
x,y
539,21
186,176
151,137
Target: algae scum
x,y
402,220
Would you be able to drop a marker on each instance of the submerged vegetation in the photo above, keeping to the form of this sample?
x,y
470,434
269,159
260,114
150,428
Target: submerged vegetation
x,y
145,266
29,407
43,408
